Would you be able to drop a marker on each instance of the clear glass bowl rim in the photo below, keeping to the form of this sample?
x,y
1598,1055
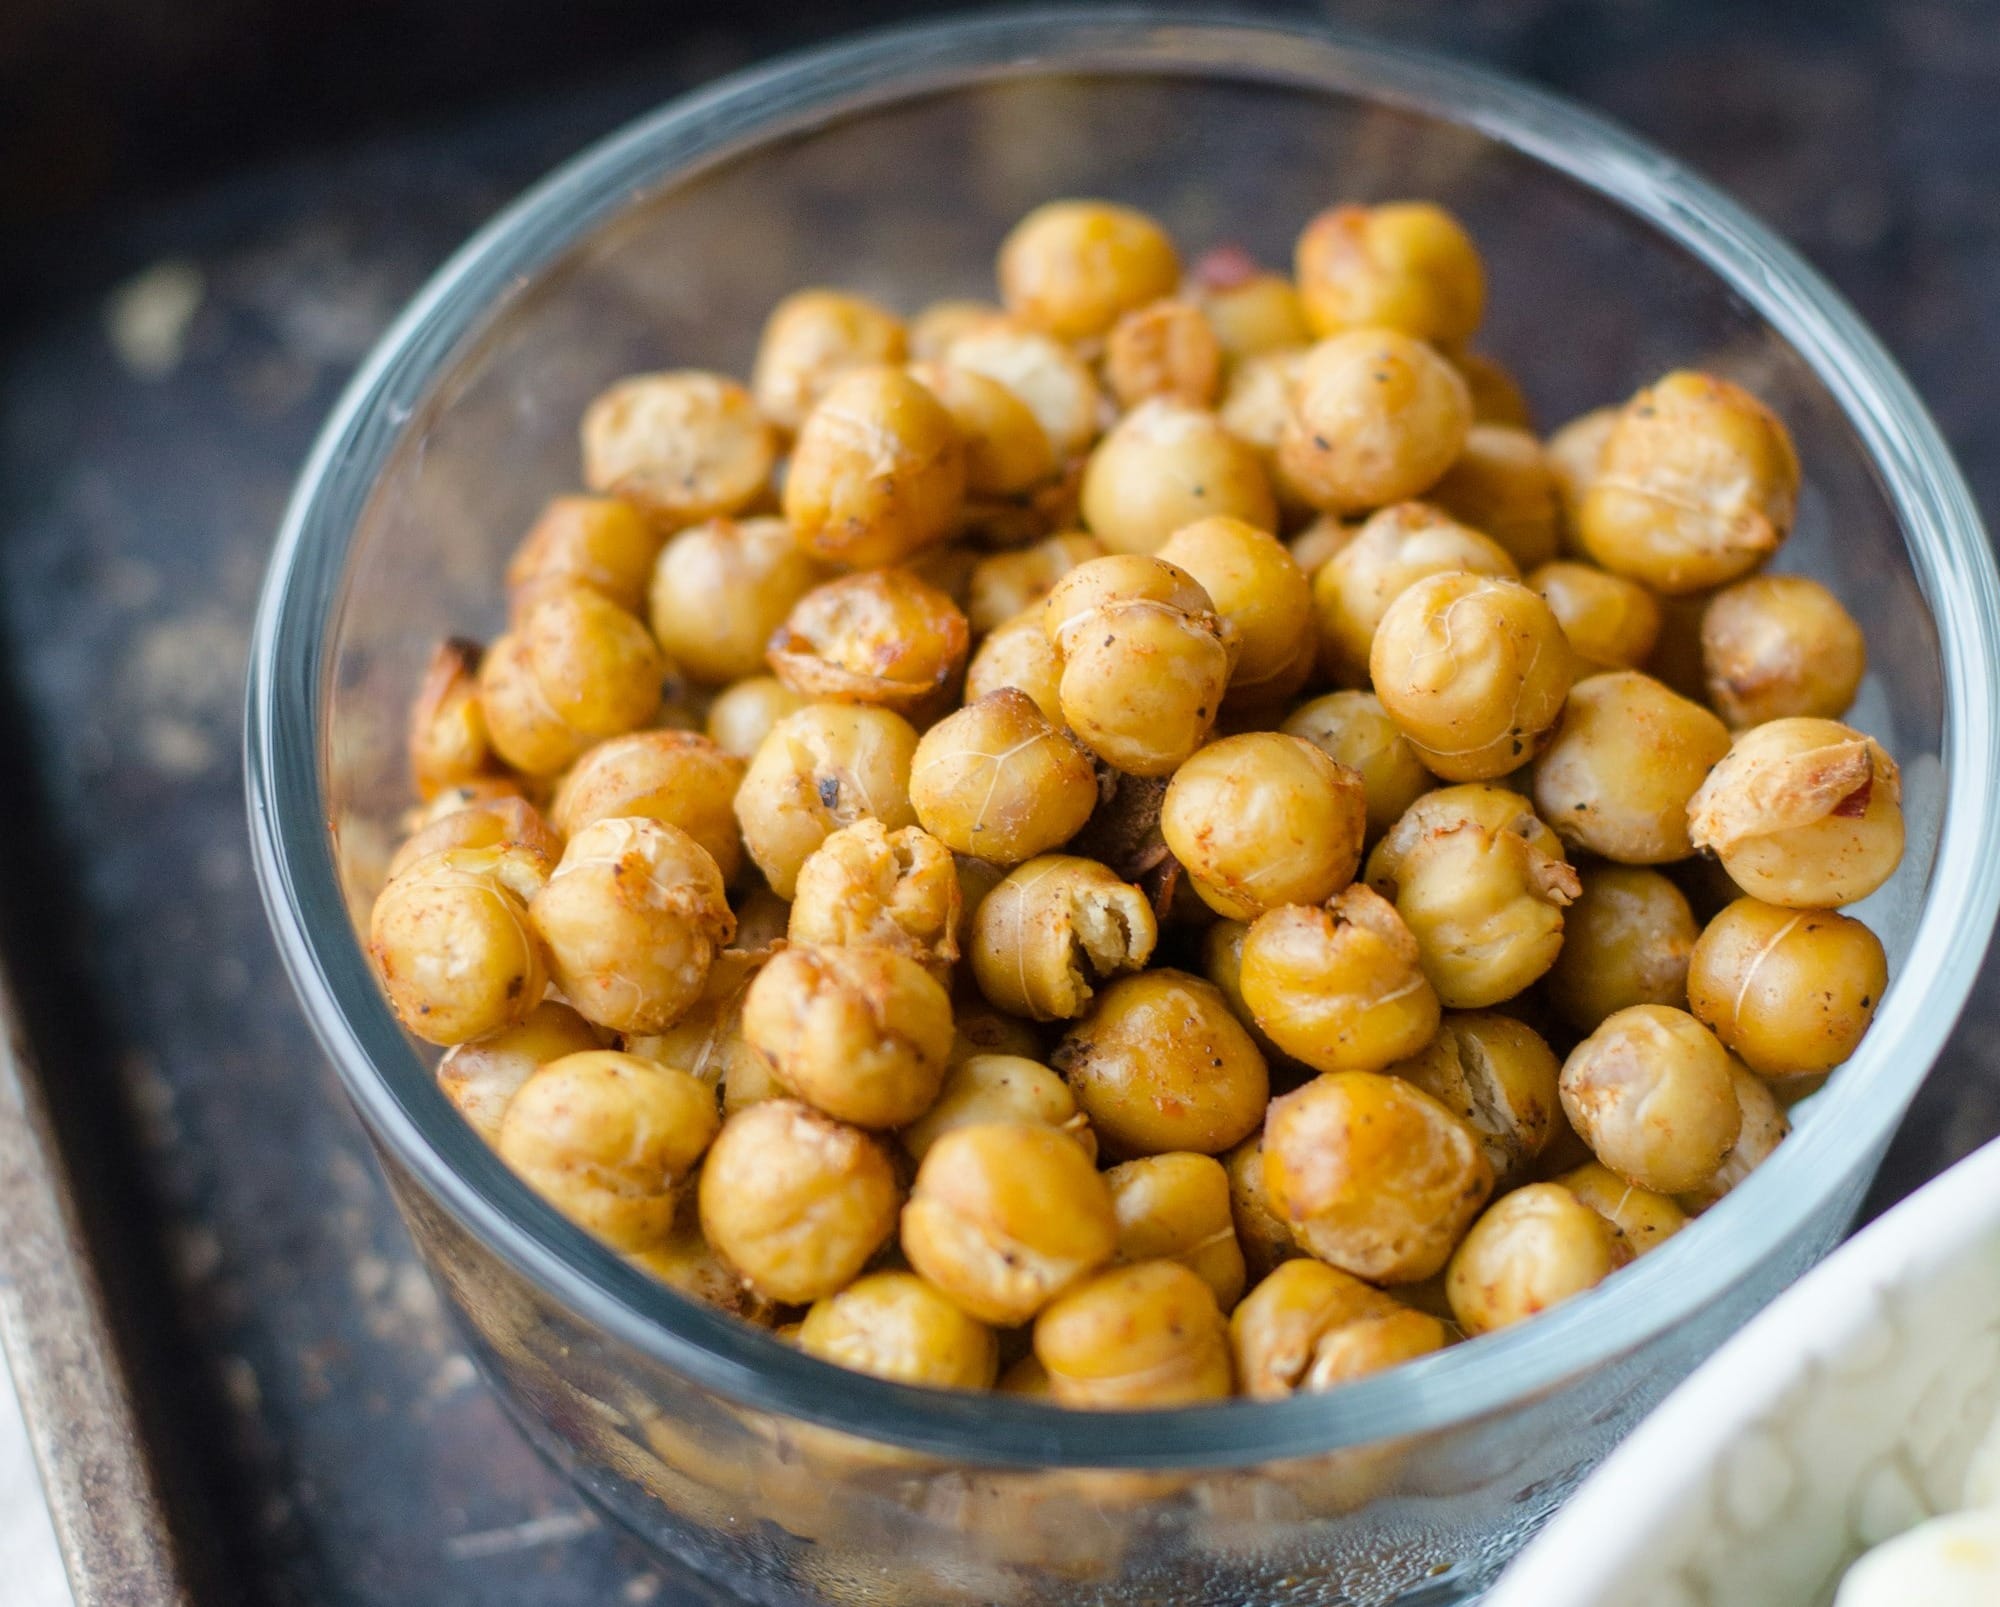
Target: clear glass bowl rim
x,y
300,607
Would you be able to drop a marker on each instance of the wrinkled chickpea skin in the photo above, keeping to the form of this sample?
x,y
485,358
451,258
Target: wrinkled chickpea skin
x,y
680,447
884,638
1053,929
675,777
822,768
998,781
868,887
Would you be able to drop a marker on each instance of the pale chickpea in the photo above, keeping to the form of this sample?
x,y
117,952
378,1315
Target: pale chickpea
x,y
881,637
1626,941
1005,585
1256,401
675,777
1778,646
1574,452
1007,451
1502,485
895,1325
1498,1077
742,716
1166,464
1018,654
1175,1207
982,1089
821,768
1642,1219
1072,267
1612,623
1495,807
1535,1248
878,471
1258,588
1354,730
603,544
1252,311
1054,383
1165,348
999,781
720,588
681,447
1764,1128
1650,1092
1403,265
482,1077
866,886
1789,991
1377,417
1054,928
813,337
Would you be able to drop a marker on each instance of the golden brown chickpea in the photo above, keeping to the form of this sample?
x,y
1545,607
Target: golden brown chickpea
x,y
600,543
1006,585
707,1043
1805,813
998,781
1341,987
1353,729
1778,646
1497,1076
1251,311
1175,1207
741,717
979,1029
861,1034
473,794
452,941
878,472
1255,585
1222,964
1166,464
1376,418
1160,1064
680,447
1265,1241
1393,550
1764,1129
1264,819
1612,623
1696,485
1313,546
1497,397
579,669
882,637
1536,1248
869,887
1046,375
1502,484
685,1261
1372,1175
1629,754
1650,1092
1056,926
481,1078
1308,1326
1148,1335
896,1326
1405,265
487,823
1574,452
1495,807
1071,267
1789,991
1007,452
813,337
632,918
447,741
1626,941
983,1089
824,767
1256,401
1642,1219
795,1201
1486,909
675,777
609,1139
721,588
1165,348
1474,669
1018,654
1005,1216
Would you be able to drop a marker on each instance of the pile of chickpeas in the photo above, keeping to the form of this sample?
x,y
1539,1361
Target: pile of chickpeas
x,y
1150,840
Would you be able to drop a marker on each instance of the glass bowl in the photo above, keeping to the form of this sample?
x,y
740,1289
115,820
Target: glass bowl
x,y
892,166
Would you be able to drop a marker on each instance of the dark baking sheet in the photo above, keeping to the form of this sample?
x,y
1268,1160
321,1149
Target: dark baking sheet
x,y
325,1440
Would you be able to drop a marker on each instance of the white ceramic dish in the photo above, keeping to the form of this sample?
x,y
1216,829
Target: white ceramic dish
x,y
1845,1414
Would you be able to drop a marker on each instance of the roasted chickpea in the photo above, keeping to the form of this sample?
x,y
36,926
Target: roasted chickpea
x,y
603,544
1007,452
1629,754
1534,1249
820,769
979,1029
451,938
1764,1128
1611,622
741,717
632,918
1372,1175
1474,669
487,823
578,669
1495,807
680,447
1175,1207
1251,311
1789,991
939,323
1222,964
1018,654
1626,941
609,1139
985,1088
869,887
1053,929
674,777
862,1034
1805,813
1046,375
1502,484
1486,910
721,588
1255,585
1639,1217
1161,1064
1497,1076
1497,397
1264,1239
1405,265
686,1262
1696,485
473,794
1256,401
1320,540
1005,1216
813,337
1165,348
878,472
998,781
1574,452
1393,550
1308,1326
1166,464
1148,1335
1071,267
1339,987
1376,418
882,637
481,1078
447,742
895,1325
1006,585
795,1201
1778,646
1354,730
1264,819
1650,1092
